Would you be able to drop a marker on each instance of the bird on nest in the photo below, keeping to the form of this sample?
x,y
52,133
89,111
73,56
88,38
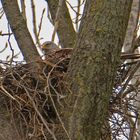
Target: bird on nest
x,y
48,47
53,53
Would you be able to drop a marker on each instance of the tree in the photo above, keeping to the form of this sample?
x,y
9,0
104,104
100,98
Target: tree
x,y
92,68
97,51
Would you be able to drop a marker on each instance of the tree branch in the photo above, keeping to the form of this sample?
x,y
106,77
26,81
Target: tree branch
x,y
20,30
66,32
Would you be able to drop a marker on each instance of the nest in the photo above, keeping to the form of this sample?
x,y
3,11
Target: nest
x,y
33,102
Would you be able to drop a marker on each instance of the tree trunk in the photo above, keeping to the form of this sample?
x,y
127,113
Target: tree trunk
x,y
93,66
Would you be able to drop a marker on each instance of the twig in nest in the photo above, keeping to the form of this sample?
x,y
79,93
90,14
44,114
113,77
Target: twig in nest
x,y
38,113
130,77
48,83
7,93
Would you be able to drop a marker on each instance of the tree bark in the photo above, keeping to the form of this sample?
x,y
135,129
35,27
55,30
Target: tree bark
x,y
93,66
66,32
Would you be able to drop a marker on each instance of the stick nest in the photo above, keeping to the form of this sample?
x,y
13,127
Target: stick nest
x,y
32,101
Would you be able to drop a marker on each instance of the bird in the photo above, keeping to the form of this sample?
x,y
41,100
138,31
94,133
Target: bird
x,y
48,47
52,54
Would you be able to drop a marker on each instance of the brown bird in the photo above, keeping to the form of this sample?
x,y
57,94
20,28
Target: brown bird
x,y
48,47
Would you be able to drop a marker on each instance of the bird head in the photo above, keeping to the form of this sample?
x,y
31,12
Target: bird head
x,y
48,47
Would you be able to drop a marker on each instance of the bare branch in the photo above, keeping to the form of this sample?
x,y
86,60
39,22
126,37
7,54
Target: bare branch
x,y
23,7
34,23
20,30
77,14
40,24
66,32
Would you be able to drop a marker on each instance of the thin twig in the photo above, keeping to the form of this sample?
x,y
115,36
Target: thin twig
x,y
131,74
41,20
77,14
23,7
48,83
7,93
38,113
12,50
5,34
34,23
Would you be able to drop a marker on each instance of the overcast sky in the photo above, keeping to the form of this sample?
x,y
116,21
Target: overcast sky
x,y
46,32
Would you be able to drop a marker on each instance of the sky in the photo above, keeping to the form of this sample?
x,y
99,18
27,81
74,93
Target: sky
x,y
46,32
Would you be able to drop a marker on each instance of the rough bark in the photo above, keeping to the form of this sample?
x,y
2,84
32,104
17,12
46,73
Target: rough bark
x,y
93,66
20,30
66,32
